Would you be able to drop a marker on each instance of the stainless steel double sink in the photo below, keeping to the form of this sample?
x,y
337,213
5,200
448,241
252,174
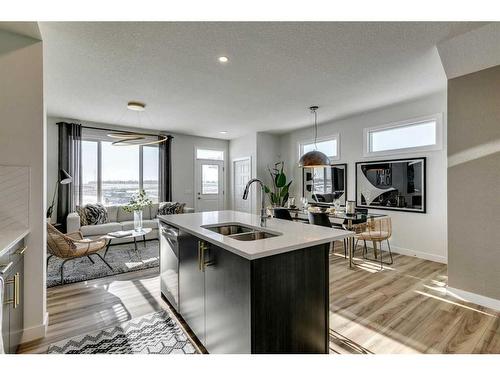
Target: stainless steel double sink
x,y
241,232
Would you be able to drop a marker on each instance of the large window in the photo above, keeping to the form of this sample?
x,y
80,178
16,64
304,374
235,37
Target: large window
x,y
150,171
120,173
112,174
410,136
329,147
89,172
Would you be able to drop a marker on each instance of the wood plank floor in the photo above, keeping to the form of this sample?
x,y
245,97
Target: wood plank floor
x,y
402,309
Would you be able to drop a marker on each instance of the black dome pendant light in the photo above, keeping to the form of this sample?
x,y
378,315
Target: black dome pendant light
x,y
314,158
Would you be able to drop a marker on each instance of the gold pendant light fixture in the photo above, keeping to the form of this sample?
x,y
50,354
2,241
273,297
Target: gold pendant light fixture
x,y
314,158
124,138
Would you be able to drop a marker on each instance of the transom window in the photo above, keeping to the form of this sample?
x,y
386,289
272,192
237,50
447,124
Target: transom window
x,y
328,146
410,136
209,154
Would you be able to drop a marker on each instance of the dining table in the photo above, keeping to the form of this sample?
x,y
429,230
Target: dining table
x,y
340,217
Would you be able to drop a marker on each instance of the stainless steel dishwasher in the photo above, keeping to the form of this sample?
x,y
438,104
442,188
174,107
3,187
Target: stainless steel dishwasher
x,y
169,264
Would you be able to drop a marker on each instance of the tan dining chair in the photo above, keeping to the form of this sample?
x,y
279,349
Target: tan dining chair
x,y
71,246
377,230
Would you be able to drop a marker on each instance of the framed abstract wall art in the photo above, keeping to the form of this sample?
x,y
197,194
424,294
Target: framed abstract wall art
x,y
397,185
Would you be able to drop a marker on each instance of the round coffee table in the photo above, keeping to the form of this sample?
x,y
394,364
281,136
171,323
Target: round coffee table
x,y
133,235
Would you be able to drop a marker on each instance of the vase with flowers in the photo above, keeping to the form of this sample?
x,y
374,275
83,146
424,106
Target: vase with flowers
x,y
136,205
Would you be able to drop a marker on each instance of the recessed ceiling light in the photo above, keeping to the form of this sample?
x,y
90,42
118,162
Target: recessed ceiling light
x,y
223,59
136,106
223,132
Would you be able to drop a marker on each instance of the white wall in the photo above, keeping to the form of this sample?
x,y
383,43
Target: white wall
x,y
183,154
22,138
242,147
268,153
422,235
264,150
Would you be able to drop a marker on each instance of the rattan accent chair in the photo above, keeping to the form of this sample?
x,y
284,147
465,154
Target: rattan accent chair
x,y
71,246
377,230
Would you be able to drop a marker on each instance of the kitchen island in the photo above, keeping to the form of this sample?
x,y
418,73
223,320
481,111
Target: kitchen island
x,y
243,288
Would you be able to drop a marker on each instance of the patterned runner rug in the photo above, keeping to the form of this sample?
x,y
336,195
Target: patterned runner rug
x,y
155,333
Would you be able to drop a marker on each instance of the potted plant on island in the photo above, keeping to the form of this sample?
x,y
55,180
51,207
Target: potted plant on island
x,y
136,205
279,192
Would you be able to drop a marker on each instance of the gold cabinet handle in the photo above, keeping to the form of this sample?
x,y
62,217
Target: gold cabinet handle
x,y
203,257
5,267
17,291
199,255
21,251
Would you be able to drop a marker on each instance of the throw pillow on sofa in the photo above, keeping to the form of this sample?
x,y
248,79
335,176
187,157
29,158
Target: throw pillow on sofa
x,y
93,214
169,208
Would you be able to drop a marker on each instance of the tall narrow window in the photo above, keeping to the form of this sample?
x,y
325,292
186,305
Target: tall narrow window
x,y
89,172
210,179
120,173
150,180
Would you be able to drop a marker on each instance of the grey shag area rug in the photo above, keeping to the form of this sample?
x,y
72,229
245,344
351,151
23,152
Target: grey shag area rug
x,y
155,333
122,258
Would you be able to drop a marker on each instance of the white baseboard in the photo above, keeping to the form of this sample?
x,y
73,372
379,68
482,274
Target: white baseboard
x,y
413,253
474,298
419,254
36,332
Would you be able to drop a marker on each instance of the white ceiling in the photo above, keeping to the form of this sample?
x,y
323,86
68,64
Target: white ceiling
x,y
470,52
276,71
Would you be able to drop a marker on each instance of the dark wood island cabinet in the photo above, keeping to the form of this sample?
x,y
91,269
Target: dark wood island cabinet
x,y
276,304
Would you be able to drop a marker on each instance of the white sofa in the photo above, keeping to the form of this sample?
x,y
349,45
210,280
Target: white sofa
x,y
118,219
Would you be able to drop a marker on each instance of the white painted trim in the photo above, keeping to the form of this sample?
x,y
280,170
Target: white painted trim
x,y
438,117
419,254
474,298
36,332
412,253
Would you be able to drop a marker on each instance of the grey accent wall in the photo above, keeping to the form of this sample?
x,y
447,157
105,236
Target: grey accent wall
x,y
474,182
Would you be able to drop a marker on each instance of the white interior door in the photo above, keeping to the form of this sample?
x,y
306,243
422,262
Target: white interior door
x,y
209,183
242,173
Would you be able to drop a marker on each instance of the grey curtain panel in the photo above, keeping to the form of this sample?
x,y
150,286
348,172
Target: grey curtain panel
x,y
70,159
165,165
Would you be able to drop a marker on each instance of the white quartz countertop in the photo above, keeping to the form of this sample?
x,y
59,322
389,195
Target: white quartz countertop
x,y
293,235
9,237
